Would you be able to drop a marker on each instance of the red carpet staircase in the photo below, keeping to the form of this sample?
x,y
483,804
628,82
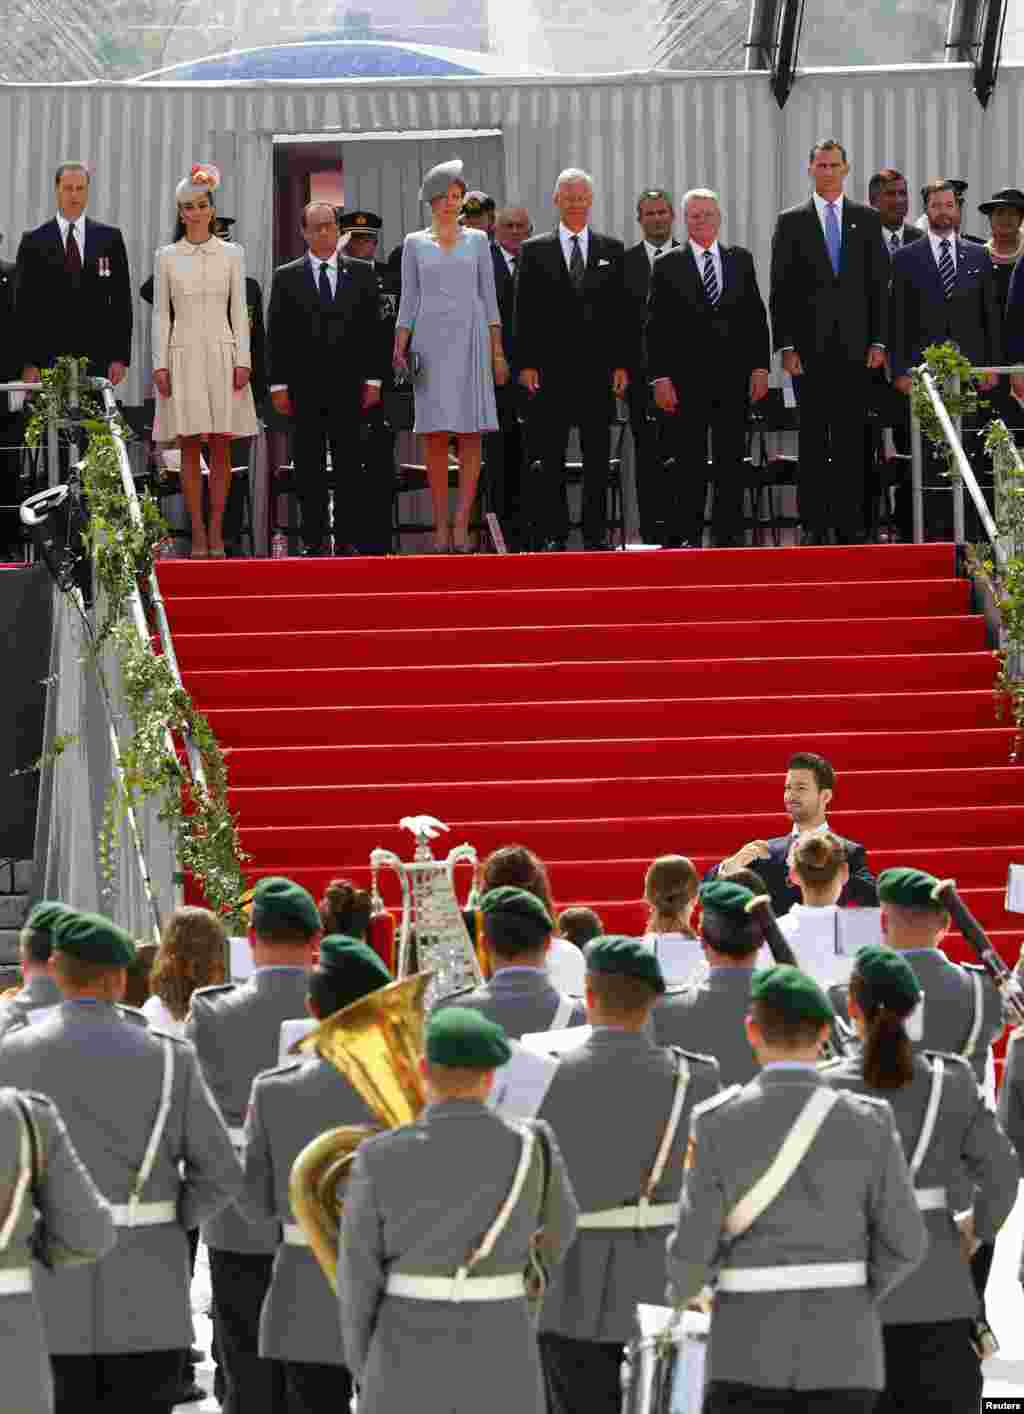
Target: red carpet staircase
x,y
603,709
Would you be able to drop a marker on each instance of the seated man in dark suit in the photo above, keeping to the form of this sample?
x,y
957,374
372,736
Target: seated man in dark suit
x,y
810,783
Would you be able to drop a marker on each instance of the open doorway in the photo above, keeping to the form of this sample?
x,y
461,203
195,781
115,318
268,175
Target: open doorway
x,y
303,171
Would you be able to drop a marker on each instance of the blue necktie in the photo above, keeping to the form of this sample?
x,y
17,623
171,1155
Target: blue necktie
x,y
325,284
947,270
833,237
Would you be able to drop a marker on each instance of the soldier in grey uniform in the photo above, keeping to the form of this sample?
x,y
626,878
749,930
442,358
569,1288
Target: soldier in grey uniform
x,y
39,1165
439,1222
797,1204
147,1129
290,1107
236,1031
519,995
707,1016
619,1106
927,1322
1011,1103
35,945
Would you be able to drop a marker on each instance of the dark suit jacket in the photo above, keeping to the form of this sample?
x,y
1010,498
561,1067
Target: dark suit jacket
x,y
561,333
808,302
1013,319
689,341
636,269
312,350
921,315
505,285
860,889
90,314
11,362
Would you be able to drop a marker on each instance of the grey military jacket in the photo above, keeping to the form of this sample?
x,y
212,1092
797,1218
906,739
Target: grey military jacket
x,y
966,1136
105,1073
236,1031
521,999
707,1017
949,1006
37,992
1010,1108
291,1106
609,1104
850,1200
419,1200
81,1229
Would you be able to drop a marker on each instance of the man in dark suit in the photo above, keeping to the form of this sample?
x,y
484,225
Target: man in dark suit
x,y
326,362
889,195
504,448
574,345
656,215
810,785
829,308
74,293
10,422
708,355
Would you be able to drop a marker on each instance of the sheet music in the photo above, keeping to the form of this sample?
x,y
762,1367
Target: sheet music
x,y
521,1083
241,959
856,927
546,1043
292,1031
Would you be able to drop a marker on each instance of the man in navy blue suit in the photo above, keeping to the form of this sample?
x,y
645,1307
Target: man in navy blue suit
x,y
74,293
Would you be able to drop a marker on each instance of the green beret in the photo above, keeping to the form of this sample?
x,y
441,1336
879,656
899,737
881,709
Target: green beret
x,y
725,896
791,991
624,957
908,888
354,965
888,976
278,902
518,904
92,938
44,917
461,1036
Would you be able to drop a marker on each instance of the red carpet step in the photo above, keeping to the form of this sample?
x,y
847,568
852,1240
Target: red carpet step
x,y
603,709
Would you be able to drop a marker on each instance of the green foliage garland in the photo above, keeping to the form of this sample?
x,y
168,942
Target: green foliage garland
x,y
205,831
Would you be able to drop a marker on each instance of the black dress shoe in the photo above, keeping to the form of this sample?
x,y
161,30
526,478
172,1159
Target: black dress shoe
x,y
813,537
189,1393
313,551
594,545
550,545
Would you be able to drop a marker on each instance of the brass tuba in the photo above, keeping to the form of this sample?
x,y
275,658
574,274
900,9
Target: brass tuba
x,y
376,1044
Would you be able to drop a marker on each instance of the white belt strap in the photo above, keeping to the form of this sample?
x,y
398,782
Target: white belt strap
x,y
563,1013
144,1214
134,1206
21,1183
293,1235
15,1282
800,1278
633,1216
784,1165
930,1199
502,1288
979,1013
931,1114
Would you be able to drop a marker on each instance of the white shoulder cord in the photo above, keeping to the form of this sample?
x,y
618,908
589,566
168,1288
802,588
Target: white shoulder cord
x,y
931,1114
149,1158
21,1184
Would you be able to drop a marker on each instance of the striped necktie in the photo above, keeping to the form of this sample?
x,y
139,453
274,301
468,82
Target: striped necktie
x,y
947,270
710,280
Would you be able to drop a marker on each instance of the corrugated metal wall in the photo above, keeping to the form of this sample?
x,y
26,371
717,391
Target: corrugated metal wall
x,y
676,130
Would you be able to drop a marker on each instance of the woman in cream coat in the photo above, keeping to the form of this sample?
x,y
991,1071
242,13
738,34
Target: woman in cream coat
x,y
201,356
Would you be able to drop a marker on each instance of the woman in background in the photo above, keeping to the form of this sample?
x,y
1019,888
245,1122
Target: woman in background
x,y
345,910
191,955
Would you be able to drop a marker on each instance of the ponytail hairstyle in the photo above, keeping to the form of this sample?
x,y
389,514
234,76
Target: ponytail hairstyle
x,y
883,985
670,887
345,910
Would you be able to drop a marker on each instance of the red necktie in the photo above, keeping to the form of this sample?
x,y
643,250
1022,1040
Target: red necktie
x,y
72,255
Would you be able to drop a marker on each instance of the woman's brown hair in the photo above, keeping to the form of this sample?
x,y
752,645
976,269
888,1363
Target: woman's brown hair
x,y
345,909
191,955
516,866
818,859
888,1055
670,887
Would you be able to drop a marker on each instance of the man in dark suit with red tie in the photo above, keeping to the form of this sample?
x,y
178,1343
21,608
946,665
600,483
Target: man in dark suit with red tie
x,y
708,357
326,362
504,448
574,345
829,307
655,213
74,293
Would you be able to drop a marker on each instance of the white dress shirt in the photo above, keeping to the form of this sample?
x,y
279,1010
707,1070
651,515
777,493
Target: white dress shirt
x,y
510,259
716,261
653,251
936,242
893,244
566,237
821,829
78,226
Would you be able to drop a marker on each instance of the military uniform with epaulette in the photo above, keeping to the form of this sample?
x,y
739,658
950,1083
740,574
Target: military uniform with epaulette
x,y
439,1222
291,1106
39,1165
236,1031
145,1126
619,1106
40,989
801,1243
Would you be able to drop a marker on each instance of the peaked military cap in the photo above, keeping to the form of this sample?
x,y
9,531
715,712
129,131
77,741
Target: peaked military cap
x,y
889,977
726,896
45,915
281,902
1006,196
624,957
908,888
439,179
794,993
93,938
475,203
366,223
354,965
461,1036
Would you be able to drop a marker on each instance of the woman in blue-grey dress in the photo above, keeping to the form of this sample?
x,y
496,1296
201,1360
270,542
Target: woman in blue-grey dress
x,y
449,310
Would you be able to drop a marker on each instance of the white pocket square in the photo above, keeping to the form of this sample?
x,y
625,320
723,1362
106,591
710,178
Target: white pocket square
x,y
603,262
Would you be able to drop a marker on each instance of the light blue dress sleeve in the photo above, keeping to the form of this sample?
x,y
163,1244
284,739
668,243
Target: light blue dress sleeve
x,y
486,286
409,304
